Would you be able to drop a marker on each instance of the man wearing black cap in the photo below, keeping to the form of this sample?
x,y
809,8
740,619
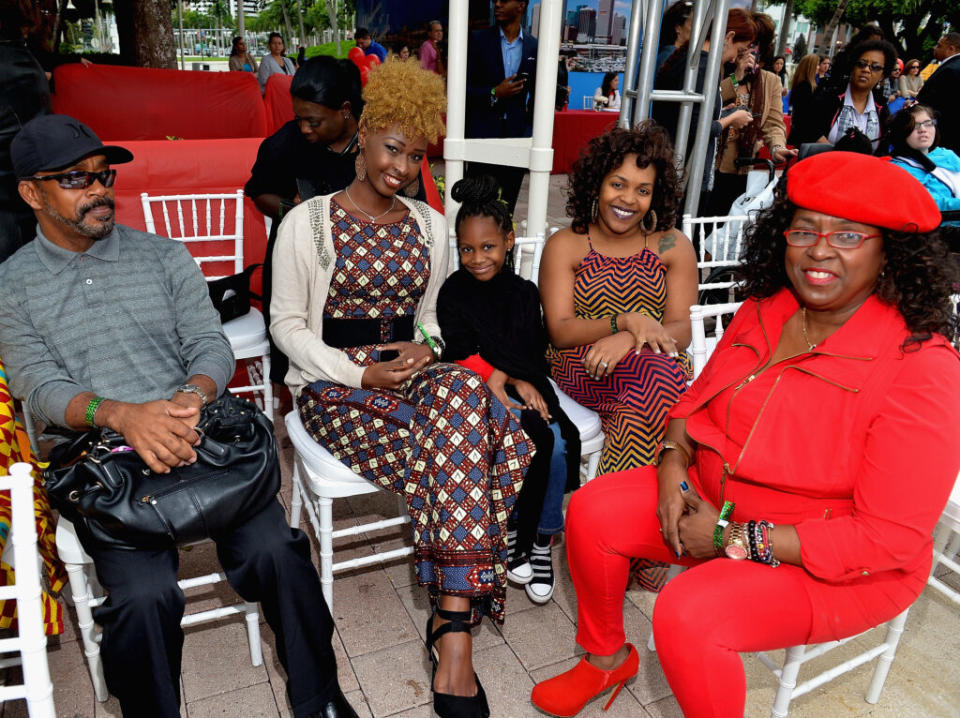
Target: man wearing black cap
x,y
103,325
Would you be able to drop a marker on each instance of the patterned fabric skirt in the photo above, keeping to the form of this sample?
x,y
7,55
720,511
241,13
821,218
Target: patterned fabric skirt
x,y
632,402
456,455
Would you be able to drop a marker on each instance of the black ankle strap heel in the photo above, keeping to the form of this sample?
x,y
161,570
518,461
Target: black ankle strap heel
x,y
446,705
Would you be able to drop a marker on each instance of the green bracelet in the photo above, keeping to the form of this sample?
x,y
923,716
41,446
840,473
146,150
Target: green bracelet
x,y
613,323
92,410
734,80
722,522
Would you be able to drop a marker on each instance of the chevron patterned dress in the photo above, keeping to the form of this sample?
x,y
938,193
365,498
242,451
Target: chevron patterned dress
x,y
634,400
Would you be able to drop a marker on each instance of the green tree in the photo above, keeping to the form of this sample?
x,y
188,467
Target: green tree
x,y
913,26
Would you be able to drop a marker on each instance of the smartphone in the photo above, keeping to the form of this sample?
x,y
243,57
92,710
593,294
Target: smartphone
x,y
387,354
524,77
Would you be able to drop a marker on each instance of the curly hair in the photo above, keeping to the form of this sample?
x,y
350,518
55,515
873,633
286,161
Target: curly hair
x,y
651,144
917,279
404,94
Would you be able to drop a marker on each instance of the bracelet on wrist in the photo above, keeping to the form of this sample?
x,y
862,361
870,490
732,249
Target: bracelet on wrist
x,y
613,323
722,522
667,445
734,80
91,412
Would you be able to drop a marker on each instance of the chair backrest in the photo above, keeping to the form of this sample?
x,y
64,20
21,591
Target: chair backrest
x,y
703,341
588,102
718,237
527,252
30,641
211,225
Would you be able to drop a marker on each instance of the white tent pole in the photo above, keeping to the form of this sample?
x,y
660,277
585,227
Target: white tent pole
x,y
541,153
456,101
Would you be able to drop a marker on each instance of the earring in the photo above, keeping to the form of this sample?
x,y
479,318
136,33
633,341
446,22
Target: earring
x,y
594,210
411,189
652,216
360,165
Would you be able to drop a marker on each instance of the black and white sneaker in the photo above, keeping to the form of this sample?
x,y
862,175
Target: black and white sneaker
x,y
542,583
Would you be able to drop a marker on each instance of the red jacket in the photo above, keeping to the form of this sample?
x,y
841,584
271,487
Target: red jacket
x,y
854,443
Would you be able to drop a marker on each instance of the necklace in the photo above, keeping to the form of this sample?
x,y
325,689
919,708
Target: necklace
x,y
803,329
358,208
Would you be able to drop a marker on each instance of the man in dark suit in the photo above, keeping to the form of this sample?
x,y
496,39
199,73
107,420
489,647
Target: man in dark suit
x,y
942,90
501,67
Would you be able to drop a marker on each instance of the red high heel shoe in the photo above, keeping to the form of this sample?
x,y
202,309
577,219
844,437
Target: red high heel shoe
x,y
565,695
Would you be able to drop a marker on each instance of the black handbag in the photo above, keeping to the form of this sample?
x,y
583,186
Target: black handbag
x,y
100,482
231,295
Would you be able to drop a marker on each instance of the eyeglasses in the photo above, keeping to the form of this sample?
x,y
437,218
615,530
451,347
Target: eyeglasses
x,y
839,239
925,125
79,179
863,65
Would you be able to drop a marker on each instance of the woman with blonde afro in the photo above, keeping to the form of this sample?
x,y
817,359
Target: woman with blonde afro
x,y
354,307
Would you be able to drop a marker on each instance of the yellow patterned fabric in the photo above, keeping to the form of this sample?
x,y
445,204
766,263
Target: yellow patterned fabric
x,y
15,447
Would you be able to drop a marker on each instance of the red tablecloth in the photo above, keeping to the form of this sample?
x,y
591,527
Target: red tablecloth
x,y
572,129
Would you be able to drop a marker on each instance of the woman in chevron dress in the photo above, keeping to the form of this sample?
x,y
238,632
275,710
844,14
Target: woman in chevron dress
x,y
616,290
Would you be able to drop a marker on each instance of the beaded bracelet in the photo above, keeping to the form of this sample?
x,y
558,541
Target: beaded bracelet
x,y
613,323
92,410
765,544
752,538
722,522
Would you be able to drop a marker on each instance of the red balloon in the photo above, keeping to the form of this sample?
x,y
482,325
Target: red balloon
x,y
364,73
356,56
372,61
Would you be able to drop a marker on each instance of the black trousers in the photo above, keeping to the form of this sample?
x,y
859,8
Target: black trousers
x,y
265,561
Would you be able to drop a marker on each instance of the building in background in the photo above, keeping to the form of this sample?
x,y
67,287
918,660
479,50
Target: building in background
x,y
604,22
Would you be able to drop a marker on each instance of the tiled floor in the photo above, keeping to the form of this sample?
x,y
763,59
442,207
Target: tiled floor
x,y
384,671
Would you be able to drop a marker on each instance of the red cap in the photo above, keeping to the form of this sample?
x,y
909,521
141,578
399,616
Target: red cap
x,y
863,189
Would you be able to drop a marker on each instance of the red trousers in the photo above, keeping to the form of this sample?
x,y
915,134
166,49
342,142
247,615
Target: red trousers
x,y
707,615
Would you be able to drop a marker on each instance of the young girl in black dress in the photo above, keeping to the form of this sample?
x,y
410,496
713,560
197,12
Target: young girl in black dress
x,y
491,322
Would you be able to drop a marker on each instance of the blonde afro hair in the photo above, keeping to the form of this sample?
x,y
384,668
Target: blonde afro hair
x,y
403,93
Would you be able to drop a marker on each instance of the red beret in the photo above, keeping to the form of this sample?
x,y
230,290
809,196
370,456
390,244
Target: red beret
x,y
863,189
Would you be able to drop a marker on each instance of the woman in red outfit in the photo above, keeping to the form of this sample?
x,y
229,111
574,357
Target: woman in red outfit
x,y
826,418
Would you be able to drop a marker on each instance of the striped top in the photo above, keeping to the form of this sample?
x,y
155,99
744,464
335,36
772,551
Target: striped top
x,y
129,319
615,285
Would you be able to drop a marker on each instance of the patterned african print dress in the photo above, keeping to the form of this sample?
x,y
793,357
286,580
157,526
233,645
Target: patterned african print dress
x,y
634,400
443,442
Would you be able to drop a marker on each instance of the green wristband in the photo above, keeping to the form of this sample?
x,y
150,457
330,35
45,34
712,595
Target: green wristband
x,y
734,80
722,522
92,410
613,323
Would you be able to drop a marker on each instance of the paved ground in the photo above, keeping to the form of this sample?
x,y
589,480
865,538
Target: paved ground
x,y
380,615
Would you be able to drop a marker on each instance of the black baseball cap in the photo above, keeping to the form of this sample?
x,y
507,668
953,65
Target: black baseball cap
x,y
52,142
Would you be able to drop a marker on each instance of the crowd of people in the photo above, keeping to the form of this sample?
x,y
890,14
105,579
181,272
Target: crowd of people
x,y
436,384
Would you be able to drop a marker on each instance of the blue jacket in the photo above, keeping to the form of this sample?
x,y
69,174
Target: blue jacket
x,y
484,72
377,49
940,192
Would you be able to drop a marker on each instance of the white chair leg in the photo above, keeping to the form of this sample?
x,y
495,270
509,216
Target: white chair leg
x,y
296,497
788,681
253,633
80,590
953,547
894,632
593,461
267,387
325,518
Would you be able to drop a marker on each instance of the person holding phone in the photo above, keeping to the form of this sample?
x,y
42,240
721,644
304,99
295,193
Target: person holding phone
x,y
501,63
751,87
361,270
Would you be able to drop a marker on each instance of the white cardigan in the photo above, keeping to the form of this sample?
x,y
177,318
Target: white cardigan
x,y
303,262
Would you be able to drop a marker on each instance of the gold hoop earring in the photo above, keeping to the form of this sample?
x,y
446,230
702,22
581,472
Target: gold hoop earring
x,y
360,166
595,210
411,189
652,216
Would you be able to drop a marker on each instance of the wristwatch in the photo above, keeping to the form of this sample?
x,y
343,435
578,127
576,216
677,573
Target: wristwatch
x,y
493,96
192,389
736,547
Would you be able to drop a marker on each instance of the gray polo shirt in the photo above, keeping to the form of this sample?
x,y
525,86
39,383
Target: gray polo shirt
x,y
129,319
